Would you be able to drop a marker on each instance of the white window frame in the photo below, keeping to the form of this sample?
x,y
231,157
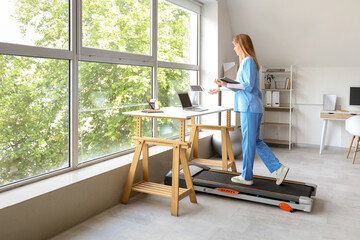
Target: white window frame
x,y
77,52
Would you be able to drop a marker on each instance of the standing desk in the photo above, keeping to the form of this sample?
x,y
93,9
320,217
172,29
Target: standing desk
x,y
332,115
181,154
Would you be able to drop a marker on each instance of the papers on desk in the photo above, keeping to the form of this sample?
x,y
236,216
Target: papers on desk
x,y
152,111
329,102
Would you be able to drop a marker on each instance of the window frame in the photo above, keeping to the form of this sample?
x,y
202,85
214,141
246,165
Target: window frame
x,y
77,53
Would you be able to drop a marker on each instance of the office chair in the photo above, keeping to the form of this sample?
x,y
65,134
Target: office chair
x,y
352,125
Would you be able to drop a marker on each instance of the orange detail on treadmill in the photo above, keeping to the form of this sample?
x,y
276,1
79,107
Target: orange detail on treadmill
x,y
285,207
226,190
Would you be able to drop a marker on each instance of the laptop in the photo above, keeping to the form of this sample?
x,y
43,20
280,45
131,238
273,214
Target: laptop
x,y
187,105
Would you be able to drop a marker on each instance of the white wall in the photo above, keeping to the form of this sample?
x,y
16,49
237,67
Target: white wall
x,y
209,56
216,49
226,54
321,38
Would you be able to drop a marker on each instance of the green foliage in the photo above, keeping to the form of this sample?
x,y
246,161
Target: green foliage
x,y
120,25
48,19
174,33
102,99
34,119
34,93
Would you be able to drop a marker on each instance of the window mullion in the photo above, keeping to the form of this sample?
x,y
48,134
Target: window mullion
x,y
32,51
154,43
75,43
107,56
164,64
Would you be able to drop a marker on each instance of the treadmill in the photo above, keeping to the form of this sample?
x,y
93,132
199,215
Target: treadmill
x,y
288,196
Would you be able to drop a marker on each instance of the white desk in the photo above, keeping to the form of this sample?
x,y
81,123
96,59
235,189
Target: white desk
x,y
332,115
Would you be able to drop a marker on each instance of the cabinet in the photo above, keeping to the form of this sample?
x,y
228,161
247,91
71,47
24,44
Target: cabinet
x,y
278,103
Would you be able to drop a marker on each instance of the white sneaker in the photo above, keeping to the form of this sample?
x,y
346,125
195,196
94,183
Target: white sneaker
x,y
240,179
281,174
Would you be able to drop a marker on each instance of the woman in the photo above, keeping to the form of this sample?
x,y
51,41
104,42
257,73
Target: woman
x,y
248,102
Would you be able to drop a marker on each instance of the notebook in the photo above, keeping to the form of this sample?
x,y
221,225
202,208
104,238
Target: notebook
x,y
187,105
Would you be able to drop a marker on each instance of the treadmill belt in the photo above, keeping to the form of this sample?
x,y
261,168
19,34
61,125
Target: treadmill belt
x,y
262,186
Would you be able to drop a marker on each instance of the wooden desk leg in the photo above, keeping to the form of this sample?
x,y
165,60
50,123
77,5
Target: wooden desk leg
x,y
130,179
187,175
196,143
323,134
138,126
356,147
352,140
175,182
182,130
230,151
224,150
191,141
228,118
145,162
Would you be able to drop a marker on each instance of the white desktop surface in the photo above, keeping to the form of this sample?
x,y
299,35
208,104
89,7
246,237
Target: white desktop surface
x,y
332,115
178,112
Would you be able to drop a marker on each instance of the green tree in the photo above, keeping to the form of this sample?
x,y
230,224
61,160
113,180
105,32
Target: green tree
x,y
34,93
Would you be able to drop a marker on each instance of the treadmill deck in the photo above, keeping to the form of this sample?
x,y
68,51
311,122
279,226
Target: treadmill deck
x,y
296,194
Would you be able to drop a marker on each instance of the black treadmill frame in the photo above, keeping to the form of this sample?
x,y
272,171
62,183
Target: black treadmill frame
x,y
249,193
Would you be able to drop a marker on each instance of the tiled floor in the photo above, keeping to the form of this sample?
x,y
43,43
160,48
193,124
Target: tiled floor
x,y
335,214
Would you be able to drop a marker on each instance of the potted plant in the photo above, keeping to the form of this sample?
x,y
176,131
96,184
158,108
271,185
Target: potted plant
x,y
268,79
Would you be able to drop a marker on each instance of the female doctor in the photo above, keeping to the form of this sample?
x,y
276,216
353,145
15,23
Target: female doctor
x,y
248,102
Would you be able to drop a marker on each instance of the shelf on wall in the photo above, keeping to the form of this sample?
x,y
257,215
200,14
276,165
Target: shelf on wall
x,y
277,89
277,72
283,77
278,109
276,123
276,141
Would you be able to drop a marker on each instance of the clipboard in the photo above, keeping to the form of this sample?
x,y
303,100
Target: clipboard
x,y
229,80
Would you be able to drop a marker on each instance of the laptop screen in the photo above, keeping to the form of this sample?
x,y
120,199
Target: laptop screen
x,y
185,100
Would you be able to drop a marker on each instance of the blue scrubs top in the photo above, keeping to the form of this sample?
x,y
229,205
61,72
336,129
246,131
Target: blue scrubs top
x,y
249,99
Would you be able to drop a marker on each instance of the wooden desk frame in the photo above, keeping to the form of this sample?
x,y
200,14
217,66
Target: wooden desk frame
x,y
181,154
226,147
145,186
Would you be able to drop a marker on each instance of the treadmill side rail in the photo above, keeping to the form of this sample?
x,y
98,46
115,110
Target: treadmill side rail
x,y
305,203
200,174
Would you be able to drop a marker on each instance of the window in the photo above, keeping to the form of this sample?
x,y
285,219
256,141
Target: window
x,y
170,82
117,25
39,23
177,34
105,91
61,101
34,117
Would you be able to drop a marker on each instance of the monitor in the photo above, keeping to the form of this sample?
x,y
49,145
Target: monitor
x,y
196,88
185,100
354,99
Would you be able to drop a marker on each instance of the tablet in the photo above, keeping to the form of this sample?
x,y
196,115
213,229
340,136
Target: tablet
x,y
229,80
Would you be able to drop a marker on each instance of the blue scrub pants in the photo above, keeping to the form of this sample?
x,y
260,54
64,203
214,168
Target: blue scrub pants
x,y
250,127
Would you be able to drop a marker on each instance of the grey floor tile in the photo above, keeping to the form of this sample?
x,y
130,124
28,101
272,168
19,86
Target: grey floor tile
x,y
335,214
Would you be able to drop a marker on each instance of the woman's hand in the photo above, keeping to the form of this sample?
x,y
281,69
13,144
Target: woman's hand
x,y
219,82
214,91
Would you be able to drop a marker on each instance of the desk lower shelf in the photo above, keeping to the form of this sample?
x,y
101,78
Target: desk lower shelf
x,y
159,189
210,163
